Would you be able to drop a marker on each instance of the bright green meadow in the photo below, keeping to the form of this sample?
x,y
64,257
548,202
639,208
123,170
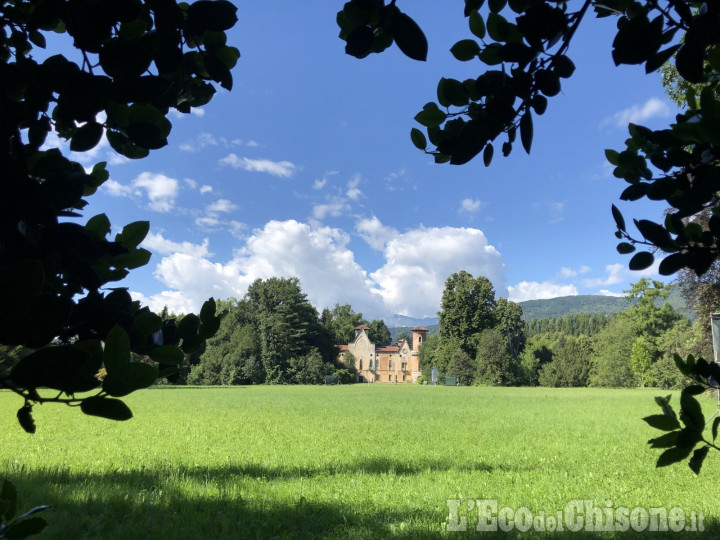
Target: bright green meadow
x,y
353,461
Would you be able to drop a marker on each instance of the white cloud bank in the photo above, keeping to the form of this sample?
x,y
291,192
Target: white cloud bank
x,y
410,281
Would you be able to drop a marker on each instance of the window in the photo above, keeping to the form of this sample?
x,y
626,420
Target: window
x,y
390,365
390,378
403,378
404,366
360,364
371,364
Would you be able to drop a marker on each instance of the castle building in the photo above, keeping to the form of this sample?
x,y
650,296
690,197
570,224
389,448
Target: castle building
x,y
398,363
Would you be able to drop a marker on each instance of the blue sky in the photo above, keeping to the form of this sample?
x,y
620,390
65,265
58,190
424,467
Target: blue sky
x,y
306,169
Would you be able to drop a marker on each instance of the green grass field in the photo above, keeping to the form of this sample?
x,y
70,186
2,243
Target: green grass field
x,y
350,461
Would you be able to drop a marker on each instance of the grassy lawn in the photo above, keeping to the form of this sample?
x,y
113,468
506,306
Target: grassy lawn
x,y
350,461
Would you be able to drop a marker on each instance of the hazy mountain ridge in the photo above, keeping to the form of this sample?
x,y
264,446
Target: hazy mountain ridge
x,y
551,307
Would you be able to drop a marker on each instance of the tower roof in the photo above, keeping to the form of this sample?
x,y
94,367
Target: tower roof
x,y
362,327
419,329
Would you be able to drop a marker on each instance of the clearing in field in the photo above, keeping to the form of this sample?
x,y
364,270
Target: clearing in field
x,y
351,461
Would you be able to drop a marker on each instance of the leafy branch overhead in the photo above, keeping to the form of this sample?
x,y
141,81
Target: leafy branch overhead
x,y
684,432
140,59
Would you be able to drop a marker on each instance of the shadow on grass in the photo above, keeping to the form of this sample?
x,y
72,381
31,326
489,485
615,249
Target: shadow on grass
x,y
242,502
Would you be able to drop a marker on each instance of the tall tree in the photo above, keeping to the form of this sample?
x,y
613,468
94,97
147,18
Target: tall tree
x,y
288,327
641,361
509,320
344,320
467,308
571,363
495,365
379,333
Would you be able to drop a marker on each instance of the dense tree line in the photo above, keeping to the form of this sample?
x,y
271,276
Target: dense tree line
x,y
275,336
583,324
484,341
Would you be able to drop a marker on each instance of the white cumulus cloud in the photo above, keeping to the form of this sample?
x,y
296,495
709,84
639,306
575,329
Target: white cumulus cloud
x,y
419,261
411,281
156,242
375,234
353,192
283,169
572,272
532,290
652,108
469,205
161,190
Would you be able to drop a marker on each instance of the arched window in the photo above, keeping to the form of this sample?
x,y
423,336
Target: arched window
x,y
360,364
390,365
371,364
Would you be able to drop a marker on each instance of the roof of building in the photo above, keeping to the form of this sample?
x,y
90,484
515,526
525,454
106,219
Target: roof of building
x,y
387,349
362,327
419,329
343,347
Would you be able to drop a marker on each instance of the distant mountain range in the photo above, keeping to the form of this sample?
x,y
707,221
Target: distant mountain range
x,y
552,307
590,303
397,321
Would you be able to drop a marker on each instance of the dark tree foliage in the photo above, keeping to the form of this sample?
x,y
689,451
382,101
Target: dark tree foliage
x,y
343,320
525,43
139,60
273,335
467,308
570,365
495,364
379,333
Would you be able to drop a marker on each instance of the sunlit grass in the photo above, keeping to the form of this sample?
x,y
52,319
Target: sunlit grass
x,y
358,461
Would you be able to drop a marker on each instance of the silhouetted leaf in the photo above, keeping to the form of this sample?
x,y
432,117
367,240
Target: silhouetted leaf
x,y
664,441
697,459
167,354
662,422
488,155
208,309
641,261
692,410
133,233
673,455
409,37
116,355
624,248
472,5
112,409
213,15
465,50
430,116
86,137
672,264
418,139
477,25
25,418
526,130
654,233
134,376
25,528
